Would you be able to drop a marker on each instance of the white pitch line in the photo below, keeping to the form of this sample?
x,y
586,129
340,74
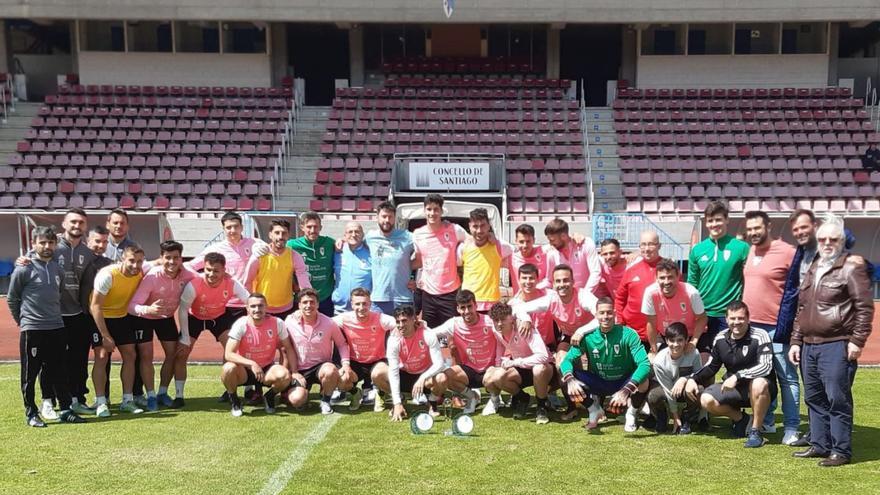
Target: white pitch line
x,y
281,477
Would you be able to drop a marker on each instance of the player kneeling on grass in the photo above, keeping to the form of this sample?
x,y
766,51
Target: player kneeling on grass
x,y
415,361
314,336
521,361
365,331
618,367
747,356
672,393
253,342
471,338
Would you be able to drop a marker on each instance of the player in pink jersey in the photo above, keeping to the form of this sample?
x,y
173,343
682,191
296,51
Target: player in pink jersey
x,y
669,301
526,253
529,276
153,306
578,253
613,267
254,341
471,339
521,361
203,307
236,249
365,331
314,336
415,360
436,244
570,308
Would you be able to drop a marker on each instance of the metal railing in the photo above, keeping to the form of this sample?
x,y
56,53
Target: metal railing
x,y
627,228
585,141
284,152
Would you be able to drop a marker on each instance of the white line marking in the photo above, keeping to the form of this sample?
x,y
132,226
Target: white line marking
x,y
281,477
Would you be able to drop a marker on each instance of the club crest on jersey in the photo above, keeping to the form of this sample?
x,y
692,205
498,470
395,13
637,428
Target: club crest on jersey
x,y
81,259
61,261
683,307
269,332
745,351
225,293
57,279
320,335
704,258
486,330
421,344
247,251
321,250
726,254
616,348
578,312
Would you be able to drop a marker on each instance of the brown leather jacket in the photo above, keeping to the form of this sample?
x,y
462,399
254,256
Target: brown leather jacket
x,y
840,307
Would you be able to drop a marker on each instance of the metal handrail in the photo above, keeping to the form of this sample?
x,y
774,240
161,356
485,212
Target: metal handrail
x,y
627,229
586,146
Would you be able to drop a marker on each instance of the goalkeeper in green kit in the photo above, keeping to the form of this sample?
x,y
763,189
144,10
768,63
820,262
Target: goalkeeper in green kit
x,y
618,367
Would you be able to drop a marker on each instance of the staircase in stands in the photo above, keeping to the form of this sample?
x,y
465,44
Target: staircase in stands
x,y
295,190
607,184
17,124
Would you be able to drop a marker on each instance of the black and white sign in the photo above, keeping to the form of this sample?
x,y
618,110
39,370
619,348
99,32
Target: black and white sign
x,y
461,176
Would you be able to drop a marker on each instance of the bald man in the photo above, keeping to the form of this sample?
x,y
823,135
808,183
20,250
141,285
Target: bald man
x,y
352,267
637,277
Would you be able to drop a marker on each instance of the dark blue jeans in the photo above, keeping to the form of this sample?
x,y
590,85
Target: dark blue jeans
x,y
828,378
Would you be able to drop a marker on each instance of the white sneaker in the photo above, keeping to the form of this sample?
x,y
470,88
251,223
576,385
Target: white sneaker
x,y
769,429
102,411
790,436
338,397
369,396
473,400
378,402
47,411
631,423
491,406
326,408
596,413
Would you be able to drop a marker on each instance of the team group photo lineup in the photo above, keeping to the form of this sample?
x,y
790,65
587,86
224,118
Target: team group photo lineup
x,y
383,315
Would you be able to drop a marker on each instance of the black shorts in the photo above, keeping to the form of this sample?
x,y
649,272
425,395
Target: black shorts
x,y
311,375
475,378
739,397
197,326
122,330
436,309
715,325
407,382
526,376
95,336
363,370
251,378
165,328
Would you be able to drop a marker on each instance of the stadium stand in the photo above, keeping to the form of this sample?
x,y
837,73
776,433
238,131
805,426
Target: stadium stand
x,y
150,147
529,119
771,149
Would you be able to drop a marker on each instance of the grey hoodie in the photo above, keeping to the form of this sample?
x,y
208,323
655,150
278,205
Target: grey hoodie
x,y
34,296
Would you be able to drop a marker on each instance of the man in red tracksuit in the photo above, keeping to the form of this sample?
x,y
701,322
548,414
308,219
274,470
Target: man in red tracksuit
x,y
637,277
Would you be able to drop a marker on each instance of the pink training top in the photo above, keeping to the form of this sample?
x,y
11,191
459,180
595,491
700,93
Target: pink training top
x,y
610,279
415,355
157,285
683,307
543,321
764,276
583,260
236,256
516,260
474,344
314,342
259,343
437,251
568,317
366,339
525,351
210,302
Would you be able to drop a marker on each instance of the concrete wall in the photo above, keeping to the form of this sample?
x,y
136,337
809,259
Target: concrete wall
x,y
466,11
42,73
732,71
195,69
859,69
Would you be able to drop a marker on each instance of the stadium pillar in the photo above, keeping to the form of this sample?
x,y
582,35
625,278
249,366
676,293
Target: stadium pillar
x,y
356,55
629,54
279,60
553,44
